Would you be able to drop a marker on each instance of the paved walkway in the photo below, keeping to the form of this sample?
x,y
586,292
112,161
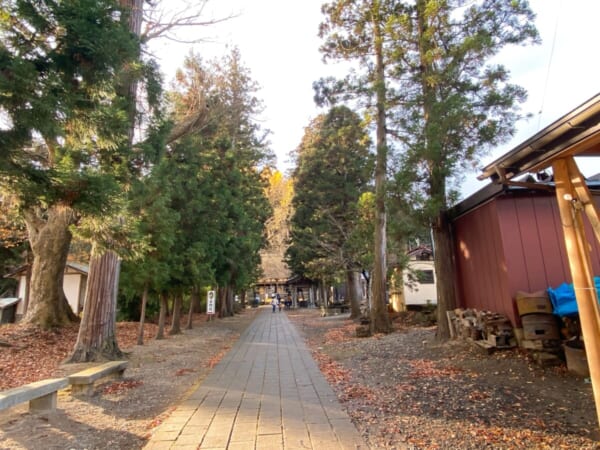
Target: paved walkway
x,y
266,393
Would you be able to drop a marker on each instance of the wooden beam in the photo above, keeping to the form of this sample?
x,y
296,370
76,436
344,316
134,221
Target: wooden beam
x,y
584,195
580,264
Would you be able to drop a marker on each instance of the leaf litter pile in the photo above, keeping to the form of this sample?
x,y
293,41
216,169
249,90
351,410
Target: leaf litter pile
x,y
121,414
30,354
407,391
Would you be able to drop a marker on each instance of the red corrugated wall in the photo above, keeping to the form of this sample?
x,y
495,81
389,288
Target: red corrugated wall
x,y
512,243
481,268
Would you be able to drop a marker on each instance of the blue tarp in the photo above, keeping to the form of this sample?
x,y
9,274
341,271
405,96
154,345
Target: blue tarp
x,y
563,298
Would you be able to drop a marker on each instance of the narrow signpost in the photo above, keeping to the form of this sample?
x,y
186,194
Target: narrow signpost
x,y
210,304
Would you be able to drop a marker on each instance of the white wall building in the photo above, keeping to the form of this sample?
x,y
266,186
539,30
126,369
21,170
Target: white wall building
x,y
418,282
74,286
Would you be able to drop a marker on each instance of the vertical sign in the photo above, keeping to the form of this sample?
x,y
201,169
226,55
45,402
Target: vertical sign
x,y
210,303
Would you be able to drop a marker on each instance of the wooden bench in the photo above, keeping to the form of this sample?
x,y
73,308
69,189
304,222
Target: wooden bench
x,y
83,382
41,395
335,309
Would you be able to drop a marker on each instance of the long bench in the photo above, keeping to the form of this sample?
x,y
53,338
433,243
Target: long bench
x,y
83,382
41,395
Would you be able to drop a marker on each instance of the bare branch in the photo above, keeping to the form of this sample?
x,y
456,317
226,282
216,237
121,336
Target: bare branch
x,y
163,23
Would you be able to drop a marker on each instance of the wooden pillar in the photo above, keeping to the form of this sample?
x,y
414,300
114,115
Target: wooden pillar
x,y
570,207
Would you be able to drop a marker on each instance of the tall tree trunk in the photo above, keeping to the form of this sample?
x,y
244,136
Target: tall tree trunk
x,y
109,263
49,239
140,338
194,307
176,319
162,315
367,287
380,321
97,337
189,325
230,301
442,236
129,87
29,261
221,298
445,273
353,282
323,294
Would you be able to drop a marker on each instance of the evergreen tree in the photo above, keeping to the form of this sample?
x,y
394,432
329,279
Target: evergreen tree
x,y
67,124
456,103
358,31
218,190
425,65
145,277
334,168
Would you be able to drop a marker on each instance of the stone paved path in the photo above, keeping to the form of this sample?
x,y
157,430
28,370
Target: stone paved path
x,y
266,393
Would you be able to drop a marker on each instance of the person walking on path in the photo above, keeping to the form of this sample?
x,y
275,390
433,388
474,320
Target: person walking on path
x,y
274,303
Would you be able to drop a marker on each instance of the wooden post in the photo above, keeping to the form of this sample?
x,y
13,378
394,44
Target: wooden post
x,y
581,268
589,207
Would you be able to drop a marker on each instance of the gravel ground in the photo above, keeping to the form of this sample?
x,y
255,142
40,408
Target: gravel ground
x,y
407,391
403,390
121,415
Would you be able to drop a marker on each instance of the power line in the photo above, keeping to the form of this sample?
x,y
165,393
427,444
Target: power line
x,y
549,64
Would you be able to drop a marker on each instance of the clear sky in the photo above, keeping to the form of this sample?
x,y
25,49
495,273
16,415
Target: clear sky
x,y
278,42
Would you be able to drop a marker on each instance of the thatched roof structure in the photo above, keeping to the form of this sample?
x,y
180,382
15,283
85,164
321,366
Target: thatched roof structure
x,y
274,268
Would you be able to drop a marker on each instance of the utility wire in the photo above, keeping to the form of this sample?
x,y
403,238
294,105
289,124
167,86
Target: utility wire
x,y
558,8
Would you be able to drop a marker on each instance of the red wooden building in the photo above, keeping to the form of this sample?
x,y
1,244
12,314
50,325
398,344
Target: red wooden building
x,y
510,239
576,134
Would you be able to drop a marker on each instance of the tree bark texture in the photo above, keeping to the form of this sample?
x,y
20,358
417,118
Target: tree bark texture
x,y
97,338
102,293
50,239
322,294
29,260
162,315
176,319
191,309
380,321
445,272
140,338
222,299
353,282
367,287
130,87
136,16
230,302
189,325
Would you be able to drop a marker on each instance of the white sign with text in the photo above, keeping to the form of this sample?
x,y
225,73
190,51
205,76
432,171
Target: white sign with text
x,y
210,302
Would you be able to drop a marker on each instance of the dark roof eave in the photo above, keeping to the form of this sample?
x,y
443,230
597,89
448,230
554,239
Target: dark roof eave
x,y
20,271
494,190
483,195
537,152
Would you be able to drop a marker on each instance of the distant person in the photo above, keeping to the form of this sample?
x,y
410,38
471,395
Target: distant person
x,y
274,303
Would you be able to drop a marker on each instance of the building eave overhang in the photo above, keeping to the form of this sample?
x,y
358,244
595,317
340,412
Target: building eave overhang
x,y
575,134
